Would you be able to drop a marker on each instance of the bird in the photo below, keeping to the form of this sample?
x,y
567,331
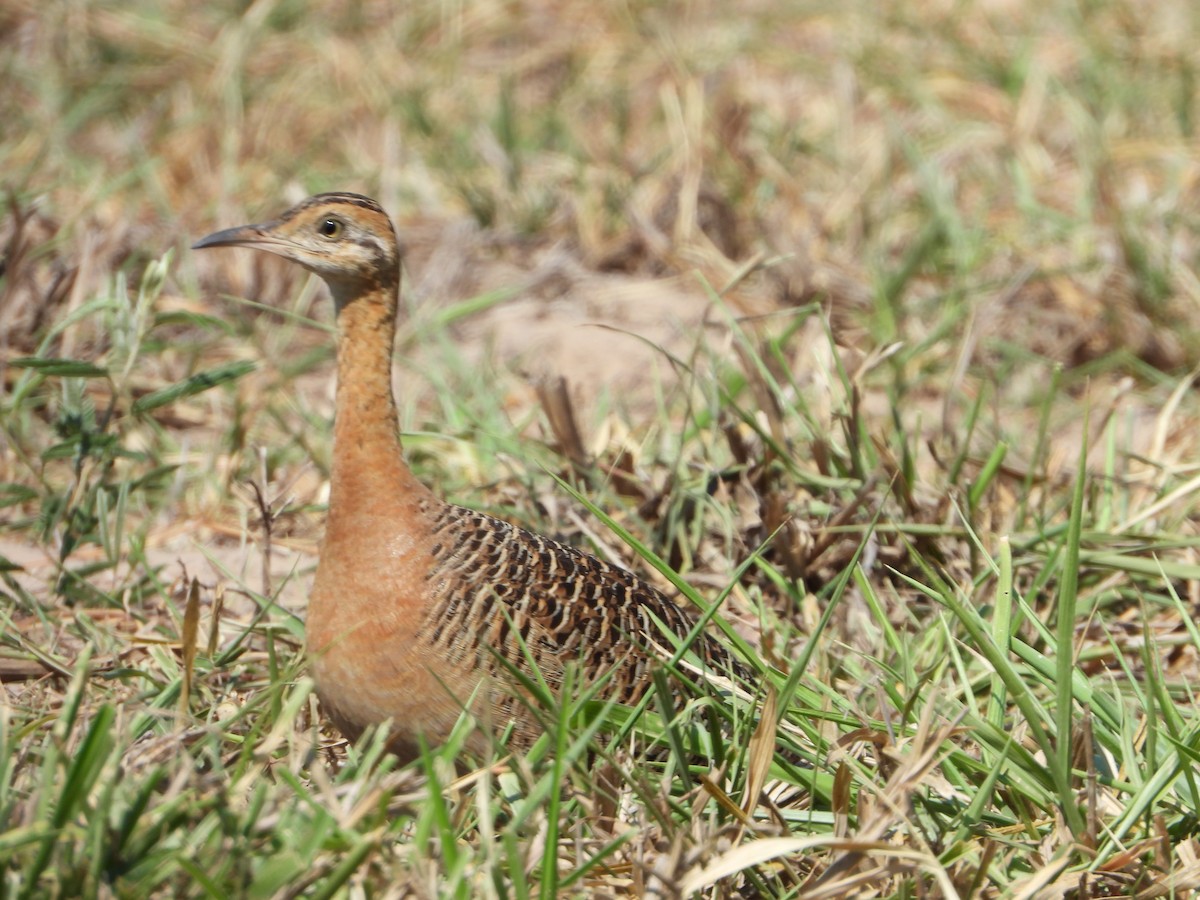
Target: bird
x,y
421,609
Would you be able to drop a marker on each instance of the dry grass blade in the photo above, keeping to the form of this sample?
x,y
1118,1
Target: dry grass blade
x,y
214,625
722,797
555,397
744,856
189,643
1037,884
757,852
762,751
14,669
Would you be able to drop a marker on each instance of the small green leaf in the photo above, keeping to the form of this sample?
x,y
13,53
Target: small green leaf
x,y
11,494
87,444
193,320
194,384
62,368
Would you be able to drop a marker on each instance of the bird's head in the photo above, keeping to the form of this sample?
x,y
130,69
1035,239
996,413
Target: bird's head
x,y
346,239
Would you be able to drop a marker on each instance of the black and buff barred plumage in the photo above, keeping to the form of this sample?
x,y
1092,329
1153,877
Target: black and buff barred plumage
x,y
497,588
417,601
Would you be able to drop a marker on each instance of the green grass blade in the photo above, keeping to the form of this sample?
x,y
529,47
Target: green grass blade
x,y
193,384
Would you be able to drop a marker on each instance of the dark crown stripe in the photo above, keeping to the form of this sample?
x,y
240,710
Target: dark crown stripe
x,y
334,198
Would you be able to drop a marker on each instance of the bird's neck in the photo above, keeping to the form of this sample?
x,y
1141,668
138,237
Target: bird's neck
x,y
370,484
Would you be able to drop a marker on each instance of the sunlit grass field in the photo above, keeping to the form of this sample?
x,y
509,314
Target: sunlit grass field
x,y
875,324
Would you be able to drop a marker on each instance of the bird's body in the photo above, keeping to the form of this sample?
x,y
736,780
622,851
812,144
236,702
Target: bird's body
x,y
415,600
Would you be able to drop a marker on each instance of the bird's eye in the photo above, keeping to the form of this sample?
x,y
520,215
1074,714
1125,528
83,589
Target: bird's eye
x,y
330,228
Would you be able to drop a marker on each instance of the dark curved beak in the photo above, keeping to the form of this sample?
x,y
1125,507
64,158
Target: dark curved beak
x,y
257,236
241,236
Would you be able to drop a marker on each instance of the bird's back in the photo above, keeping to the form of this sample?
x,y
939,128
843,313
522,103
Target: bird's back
x,y
497,590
